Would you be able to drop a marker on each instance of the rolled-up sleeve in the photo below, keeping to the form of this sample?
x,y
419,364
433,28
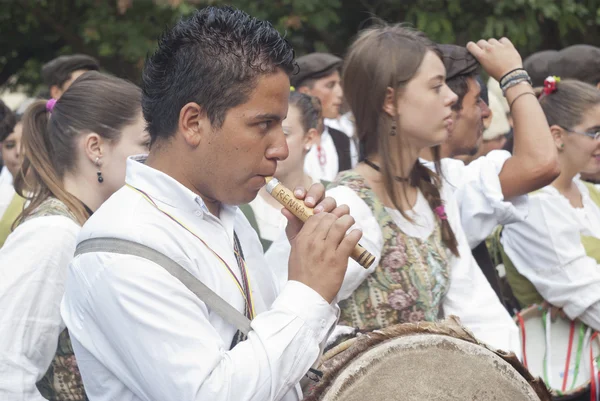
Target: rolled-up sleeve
x,y
479,196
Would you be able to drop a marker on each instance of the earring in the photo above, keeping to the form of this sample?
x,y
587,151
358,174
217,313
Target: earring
x,y
99,173
393,130
562,145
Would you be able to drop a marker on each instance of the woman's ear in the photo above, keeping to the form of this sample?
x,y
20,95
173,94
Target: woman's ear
x,y
312,137
558,134
93,145
389,104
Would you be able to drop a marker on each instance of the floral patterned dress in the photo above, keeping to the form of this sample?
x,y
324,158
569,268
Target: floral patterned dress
x,y
62,381
412,277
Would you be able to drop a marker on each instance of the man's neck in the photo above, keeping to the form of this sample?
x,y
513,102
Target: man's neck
x,y
162,160
427,153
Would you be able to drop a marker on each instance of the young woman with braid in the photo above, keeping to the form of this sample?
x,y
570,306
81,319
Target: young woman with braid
x,y
395,85
75,151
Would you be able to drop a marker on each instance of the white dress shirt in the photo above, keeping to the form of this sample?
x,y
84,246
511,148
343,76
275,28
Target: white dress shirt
x,y
140,334
33,271
479,196
7,190
470,296
546,248
312,165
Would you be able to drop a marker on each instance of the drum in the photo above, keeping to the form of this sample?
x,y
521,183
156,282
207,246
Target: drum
x,y
563,352
422,361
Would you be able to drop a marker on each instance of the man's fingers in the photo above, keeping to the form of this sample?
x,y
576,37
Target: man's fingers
x,y
349,242
315,193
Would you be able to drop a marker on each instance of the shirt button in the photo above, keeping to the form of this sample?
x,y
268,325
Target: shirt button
x,y
198,213
323,322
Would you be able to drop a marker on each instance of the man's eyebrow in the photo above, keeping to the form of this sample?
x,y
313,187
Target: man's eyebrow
x,y
267,116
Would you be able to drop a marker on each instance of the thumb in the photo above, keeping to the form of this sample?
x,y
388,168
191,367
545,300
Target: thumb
x,y
294,224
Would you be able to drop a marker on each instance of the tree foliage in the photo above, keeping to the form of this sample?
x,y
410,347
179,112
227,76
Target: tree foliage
x,y
121,32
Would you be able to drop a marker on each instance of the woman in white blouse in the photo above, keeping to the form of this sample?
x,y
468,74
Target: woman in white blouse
x,y
557,248
394,81
301,128
75,153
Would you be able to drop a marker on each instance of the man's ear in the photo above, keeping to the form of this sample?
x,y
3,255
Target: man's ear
x,y
194,124
55,92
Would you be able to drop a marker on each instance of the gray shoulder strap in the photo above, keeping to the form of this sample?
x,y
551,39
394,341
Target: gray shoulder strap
x,y
205,294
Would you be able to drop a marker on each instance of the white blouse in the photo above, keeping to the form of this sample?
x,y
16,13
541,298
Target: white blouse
x,y
271,223
470,296
546,248
7,190
479,196
33,271
312,165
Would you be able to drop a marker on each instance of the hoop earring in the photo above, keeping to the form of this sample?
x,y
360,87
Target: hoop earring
x,y
99,173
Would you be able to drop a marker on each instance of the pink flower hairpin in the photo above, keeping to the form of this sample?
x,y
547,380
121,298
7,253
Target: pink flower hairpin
x,y
441,212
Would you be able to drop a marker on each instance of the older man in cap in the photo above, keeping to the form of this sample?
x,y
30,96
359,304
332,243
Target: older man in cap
x,y
319,76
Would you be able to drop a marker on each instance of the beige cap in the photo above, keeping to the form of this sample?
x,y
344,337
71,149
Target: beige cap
x,y
494,87
499,125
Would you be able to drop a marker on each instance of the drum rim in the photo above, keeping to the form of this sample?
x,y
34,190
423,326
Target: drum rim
x,y
450,327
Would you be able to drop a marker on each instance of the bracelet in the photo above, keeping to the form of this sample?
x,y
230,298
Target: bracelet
x,y
510,72
518,96
515,82
515,75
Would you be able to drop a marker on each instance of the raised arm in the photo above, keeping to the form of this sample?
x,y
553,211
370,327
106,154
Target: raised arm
x,y
534,163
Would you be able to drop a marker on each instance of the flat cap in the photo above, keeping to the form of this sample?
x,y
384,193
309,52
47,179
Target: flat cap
x,y
315,66
458,61
540,65
581,62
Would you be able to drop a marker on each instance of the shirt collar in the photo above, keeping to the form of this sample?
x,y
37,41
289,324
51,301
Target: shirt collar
x,y
164,188
160,186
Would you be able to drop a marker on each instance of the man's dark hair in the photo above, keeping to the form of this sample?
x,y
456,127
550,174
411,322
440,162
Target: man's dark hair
x,y
59,70
8,121
214,59
460,85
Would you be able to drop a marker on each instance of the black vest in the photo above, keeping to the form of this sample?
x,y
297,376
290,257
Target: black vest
x,y
342,145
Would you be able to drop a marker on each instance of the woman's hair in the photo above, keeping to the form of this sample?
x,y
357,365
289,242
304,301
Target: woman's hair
x,y
93,103
566,106
389,56
310,110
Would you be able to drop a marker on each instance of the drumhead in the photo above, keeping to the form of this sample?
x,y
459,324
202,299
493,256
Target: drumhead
x,y
425,366
536,351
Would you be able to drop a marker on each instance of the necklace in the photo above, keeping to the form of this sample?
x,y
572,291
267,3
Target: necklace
x,y
377,168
